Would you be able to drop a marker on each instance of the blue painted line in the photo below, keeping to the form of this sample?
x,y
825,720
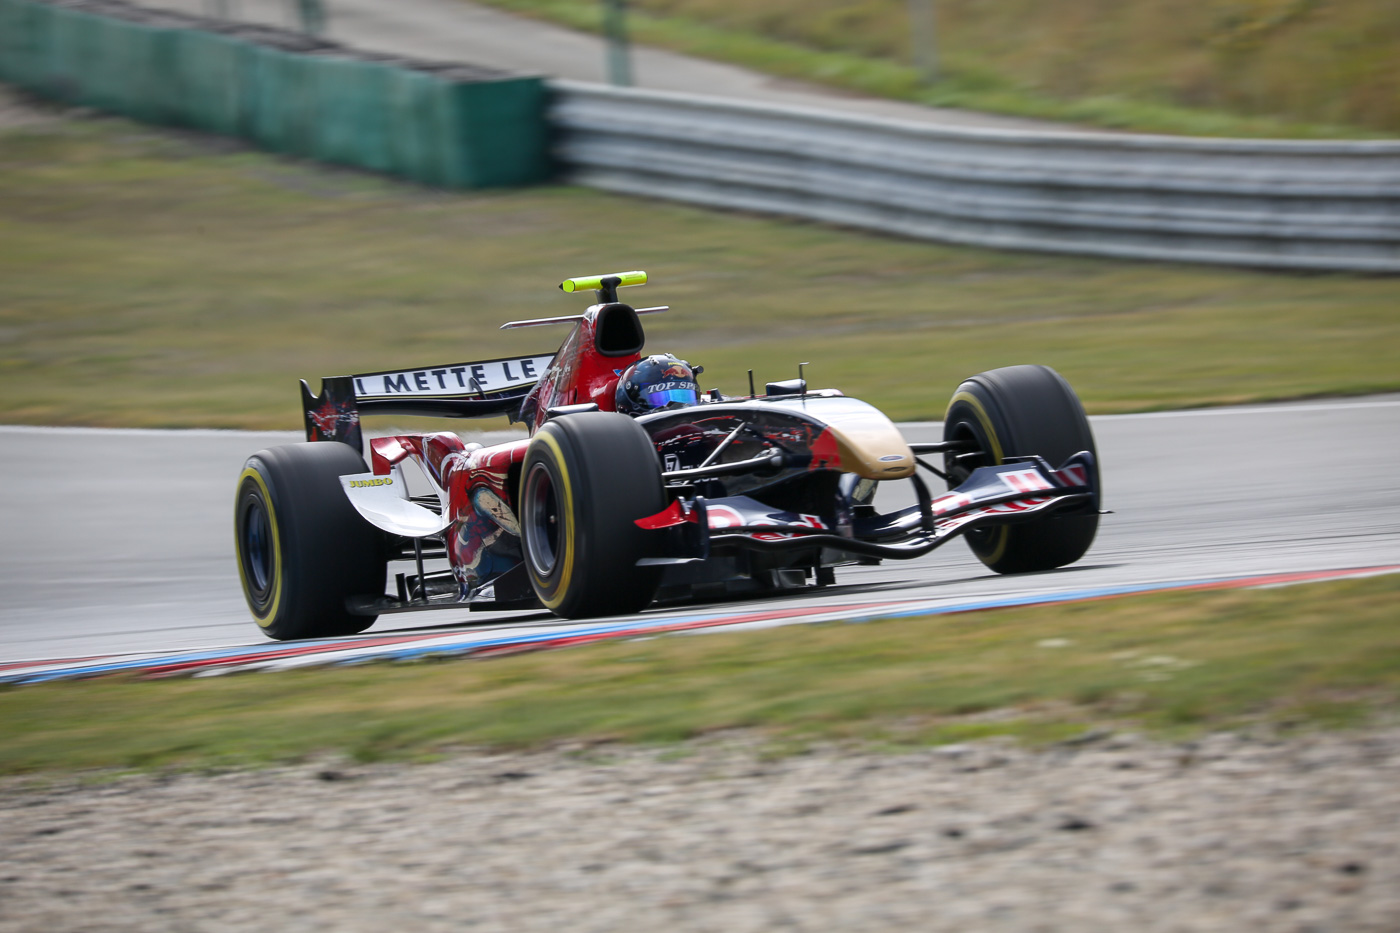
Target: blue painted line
x,y
409,647
307,649
1044,599
413,652
155,661
189,657
470,645
922,609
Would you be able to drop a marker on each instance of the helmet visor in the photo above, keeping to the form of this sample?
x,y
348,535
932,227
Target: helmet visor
x,y
671,397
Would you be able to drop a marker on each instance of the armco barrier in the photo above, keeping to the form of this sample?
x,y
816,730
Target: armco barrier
x,y
1272,203
440,124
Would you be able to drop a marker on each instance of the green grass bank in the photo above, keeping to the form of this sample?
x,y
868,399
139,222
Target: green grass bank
x,y
1321,655
157,279
1285,68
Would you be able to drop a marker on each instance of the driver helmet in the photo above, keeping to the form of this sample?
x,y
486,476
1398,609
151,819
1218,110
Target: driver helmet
x,y
656,383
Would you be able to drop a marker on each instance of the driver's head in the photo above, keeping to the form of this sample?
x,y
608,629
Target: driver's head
x,y
655,383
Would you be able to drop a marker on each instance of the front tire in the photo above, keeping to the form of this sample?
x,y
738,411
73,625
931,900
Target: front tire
x,y
587,478
303,550
1020,411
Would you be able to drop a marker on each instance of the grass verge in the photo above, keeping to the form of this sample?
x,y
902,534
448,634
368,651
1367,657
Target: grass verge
x,y
153,279
1173,664
1154,66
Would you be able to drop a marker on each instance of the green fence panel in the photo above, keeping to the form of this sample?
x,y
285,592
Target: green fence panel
x,y
9,41
78,49
107,78
211,71
154,91
19,42
97,48
29,47
352,101
442,137
503,133
118,66
259,84
12,35
284,101
331,107
40,24
414,125
74,46
58,54
300,110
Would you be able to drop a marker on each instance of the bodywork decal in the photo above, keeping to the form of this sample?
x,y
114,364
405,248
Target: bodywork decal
x,y
332,415
453,380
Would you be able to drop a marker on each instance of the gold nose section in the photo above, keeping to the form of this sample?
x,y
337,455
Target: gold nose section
x,y
873,449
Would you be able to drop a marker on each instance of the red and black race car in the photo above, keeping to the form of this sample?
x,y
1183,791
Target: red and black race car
x,y
635,485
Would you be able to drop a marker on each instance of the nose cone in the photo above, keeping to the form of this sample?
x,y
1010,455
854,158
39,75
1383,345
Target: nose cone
x,y
869,444
874,452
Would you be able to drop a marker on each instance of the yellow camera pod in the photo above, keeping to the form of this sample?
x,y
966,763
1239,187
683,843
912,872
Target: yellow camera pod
x,y
583,283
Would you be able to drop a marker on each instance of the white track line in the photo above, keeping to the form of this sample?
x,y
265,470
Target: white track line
x,y
1281,408
290,436
145,432
1275,408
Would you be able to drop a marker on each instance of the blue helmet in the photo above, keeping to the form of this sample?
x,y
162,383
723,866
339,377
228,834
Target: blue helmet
x,y
655,383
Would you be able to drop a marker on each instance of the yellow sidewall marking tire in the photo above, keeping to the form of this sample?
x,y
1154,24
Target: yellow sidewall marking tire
x,y
567,540
997,537
588,477
315,553
1019,411
982,418
265,617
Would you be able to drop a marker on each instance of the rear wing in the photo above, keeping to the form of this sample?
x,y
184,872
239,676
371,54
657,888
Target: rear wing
x,y
483,389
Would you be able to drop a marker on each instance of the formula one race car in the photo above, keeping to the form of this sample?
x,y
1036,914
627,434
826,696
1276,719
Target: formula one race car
x,y
634,485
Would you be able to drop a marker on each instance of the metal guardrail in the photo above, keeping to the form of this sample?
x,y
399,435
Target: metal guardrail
x,y
1268,203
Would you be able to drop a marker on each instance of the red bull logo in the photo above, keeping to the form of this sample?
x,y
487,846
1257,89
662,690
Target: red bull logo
x,y
330,416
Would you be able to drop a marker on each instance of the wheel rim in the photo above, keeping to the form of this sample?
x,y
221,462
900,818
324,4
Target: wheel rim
x,y
541,525
960,466
257,547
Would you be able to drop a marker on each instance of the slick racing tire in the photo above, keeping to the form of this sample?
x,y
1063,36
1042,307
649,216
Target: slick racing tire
x,y
1020,411
587,478
303,550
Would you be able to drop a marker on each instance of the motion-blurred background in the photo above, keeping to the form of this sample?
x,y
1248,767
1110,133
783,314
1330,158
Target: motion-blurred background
x,y
183,280
1177,205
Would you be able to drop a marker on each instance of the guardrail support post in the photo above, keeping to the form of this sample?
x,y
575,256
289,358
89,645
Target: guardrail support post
x,y
615,28
313,16
922,32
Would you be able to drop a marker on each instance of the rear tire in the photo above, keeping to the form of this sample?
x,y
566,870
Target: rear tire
x,y
587,478
1020,411
303,550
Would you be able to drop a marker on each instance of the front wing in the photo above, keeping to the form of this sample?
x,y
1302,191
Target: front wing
x,y
1016,491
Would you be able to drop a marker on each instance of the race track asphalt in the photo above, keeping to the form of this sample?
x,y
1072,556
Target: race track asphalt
x,y
120,541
